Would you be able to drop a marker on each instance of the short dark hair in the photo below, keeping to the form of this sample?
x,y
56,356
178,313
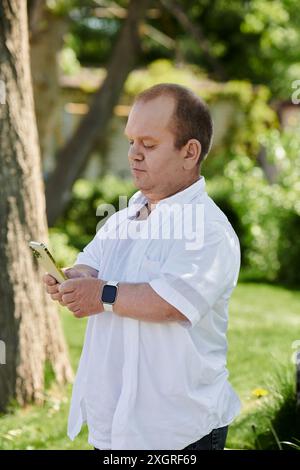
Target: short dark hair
x,y
191,118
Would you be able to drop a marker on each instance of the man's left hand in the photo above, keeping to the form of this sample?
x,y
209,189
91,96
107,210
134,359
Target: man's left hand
x,y
82,296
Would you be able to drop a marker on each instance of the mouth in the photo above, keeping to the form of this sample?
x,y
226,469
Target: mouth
x,y
137,170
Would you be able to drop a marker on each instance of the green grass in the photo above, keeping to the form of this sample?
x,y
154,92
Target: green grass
x,y
264,322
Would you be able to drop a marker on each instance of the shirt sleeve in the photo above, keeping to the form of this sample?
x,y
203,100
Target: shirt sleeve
x,y
92,253
194,280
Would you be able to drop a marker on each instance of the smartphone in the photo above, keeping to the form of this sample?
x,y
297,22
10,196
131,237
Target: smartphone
x,y
44,256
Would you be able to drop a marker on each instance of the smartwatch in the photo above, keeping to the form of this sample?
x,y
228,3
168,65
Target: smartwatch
x,y
109,295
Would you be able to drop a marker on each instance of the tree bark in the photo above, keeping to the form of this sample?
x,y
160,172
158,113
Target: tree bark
x,y
29,323
72,159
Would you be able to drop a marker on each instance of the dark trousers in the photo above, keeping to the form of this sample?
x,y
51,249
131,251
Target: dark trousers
x,y
215,440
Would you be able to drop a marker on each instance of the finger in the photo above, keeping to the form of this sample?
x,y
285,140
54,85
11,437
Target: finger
x,y
56,297
78,313
52,289
73,307
72,273
66,272
68,298
66,286
49,280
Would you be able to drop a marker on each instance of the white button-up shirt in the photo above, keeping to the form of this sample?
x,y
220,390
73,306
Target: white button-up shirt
x,y
160,385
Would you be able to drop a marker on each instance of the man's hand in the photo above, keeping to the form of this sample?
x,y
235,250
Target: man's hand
x,y
82,296
52,286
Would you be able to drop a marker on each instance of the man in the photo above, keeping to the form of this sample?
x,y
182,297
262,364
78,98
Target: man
x,y
152,373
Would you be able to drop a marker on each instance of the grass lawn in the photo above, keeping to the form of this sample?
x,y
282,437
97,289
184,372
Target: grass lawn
x,y
264,322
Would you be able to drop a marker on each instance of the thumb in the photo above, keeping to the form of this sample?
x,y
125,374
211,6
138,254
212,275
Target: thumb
x,y
66,286
71,273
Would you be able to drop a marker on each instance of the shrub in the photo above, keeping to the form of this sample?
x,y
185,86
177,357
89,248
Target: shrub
x,y
266,217
248,202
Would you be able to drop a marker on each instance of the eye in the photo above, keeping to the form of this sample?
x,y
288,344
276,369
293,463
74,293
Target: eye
x,y
146,146
149,146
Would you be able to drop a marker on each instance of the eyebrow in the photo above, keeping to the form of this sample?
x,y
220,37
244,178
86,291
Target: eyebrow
x,y
142,136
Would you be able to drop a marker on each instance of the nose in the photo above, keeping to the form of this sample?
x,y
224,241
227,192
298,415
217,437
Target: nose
x,y
135,153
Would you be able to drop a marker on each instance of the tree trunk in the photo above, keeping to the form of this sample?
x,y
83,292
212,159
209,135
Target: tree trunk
x,y
73,157
29,323
46,40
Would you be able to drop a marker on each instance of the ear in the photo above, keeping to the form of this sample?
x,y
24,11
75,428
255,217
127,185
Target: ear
x,y
192,152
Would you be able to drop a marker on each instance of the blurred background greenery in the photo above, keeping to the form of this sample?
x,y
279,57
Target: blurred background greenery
x,y
242,57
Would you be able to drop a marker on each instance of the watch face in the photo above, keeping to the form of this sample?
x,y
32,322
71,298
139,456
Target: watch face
x,y
109,294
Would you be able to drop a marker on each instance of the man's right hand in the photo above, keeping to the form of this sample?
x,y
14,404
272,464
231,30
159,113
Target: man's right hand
x,y
52,285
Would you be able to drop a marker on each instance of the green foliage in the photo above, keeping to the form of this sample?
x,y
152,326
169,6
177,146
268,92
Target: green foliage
x,y
68,62
61,7
275,25
266,217
251,116
283,150
91,37
289,248
63,251
257,40
163,70
247,200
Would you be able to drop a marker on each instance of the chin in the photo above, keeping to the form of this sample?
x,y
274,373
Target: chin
x,y
141,186
139,182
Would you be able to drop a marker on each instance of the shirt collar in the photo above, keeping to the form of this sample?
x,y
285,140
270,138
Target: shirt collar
x,y
138,200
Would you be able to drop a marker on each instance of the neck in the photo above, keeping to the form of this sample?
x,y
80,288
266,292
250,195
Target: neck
x,y
153,198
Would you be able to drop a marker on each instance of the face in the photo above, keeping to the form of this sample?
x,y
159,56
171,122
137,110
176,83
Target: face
x,y
157,167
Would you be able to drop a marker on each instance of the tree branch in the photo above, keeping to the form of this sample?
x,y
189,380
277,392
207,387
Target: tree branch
x,y
196,32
